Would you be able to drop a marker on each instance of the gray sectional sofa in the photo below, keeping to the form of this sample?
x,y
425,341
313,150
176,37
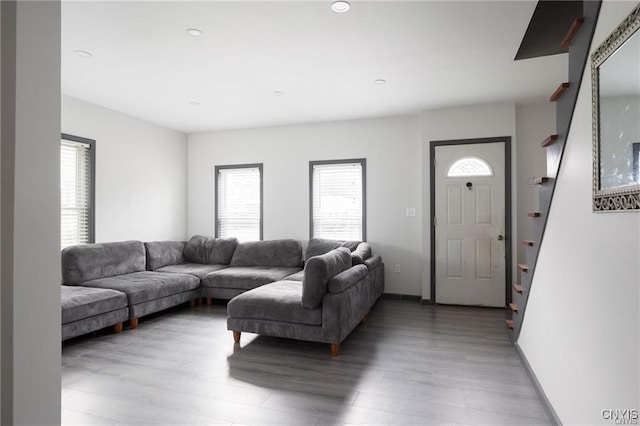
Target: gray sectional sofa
x,y
105,284
121,266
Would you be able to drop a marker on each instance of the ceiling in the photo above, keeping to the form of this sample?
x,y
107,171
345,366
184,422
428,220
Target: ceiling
x,y
431,54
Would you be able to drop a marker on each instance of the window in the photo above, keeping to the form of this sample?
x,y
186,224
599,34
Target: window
x,y
470,167
337,198
239,202
76,190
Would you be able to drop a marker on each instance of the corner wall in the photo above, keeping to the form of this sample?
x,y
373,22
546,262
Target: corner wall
x,y
30,213
581,329
141,173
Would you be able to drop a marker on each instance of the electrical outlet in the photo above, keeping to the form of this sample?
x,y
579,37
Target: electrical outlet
x,y
411,212
396,268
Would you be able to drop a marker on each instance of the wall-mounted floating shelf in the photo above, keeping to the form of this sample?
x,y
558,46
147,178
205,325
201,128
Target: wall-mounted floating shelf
x,y
548,141
573,30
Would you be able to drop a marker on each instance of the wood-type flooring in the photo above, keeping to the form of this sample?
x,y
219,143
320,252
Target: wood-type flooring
x,y
410,364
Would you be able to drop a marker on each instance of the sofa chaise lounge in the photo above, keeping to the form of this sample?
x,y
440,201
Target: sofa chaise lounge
x,y
332,299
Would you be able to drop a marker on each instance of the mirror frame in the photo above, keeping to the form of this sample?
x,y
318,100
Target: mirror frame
x,y
628,197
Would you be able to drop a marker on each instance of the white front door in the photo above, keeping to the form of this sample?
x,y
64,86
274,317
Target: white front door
x,y
470,224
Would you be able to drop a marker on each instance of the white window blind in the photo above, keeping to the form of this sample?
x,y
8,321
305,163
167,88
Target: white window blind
x,y
239,210
75,193
337,200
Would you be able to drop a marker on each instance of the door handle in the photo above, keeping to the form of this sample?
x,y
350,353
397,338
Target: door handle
x,y
500,237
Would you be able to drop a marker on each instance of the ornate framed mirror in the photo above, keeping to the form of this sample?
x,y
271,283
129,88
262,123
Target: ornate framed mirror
x,y
615,82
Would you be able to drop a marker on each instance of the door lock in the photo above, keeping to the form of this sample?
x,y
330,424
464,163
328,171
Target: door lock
x,y
500,237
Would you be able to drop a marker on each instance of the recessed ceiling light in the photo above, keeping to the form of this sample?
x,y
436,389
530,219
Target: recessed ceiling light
x,y
340,6
278,93
194,32
83,53
194,103
380,81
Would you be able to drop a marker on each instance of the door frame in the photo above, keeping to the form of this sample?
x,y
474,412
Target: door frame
x,y
507,207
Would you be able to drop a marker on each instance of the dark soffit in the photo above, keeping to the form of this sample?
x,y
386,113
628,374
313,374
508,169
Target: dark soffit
x,y
549,24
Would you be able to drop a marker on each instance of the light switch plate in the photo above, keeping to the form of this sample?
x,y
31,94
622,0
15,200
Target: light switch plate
x,y
411,212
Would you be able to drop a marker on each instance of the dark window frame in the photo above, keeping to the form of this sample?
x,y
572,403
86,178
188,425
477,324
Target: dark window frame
x,y
259,166
363,163
92,178
636,162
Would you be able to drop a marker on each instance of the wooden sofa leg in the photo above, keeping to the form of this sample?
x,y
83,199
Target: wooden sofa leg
x,y
192,303
236,336
335,349
117,328
365,319
209,301
133,323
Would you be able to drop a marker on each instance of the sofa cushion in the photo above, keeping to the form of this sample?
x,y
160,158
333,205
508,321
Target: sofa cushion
x,y
318,271
279,301
298,276
220,250
373,262
163,253
318,246
281,253
351,245
347,278
84,302
360,254
196,269
194,250
211,251
246,278
145,286
94,261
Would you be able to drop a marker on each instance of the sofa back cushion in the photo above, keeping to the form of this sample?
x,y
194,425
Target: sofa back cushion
x,y
194,250
212,251
163,253
318,271
319,246
219,251
93,261
284,253
360,254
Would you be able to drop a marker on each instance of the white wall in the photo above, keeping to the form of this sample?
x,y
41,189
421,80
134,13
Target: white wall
x,y
534,123
470,122
392,149
30,213
141,173
396,149
582,328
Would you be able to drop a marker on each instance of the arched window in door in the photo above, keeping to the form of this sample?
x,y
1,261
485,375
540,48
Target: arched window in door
x,y
470,167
